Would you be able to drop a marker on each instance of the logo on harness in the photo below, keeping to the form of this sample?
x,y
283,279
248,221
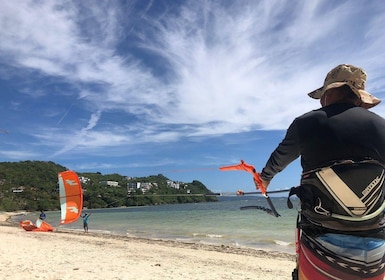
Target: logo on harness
x,y
373,184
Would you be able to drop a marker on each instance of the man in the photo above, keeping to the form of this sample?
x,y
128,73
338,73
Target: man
x,y
42,215
85,217
342,151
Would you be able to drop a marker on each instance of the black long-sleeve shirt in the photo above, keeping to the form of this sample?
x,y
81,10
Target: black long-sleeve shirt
x,y
339,131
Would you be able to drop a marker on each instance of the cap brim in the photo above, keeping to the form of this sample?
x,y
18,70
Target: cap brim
x,y
316,94
368,100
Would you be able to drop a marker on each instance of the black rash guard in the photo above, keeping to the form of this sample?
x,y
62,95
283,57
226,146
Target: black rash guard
x,y
336,132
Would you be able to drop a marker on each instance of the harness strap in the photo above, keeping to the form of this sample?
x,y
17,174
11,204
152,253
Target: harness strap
x,y
363,218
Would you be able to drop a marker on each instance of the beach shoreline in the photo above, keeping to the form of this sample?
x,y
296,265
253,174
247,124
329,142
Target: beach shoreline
x,y
105,256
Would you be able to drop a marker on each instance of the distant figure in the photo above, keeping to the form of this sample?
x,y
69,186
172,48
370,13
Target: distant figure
x,y
42,215
85,217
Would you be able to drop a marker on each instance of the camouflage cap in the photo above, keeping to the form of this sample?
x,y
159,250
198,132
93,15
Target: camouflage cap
x,y
352,76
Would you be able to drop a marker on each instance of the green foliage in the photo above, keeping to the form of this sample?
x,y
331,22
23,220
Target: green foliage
x,y
36,179
36,182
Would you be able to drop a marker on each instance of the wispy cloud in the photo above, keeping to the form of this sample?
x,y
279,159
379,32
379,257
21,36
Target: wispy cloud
x,y
148,72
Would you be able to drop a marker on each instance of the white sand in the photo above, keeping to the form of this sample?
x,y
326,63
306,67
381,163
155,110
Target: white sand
x,y
72,255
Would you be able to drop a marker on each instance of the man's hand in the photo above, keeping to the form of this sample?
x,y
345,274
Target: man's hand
x,y
265,183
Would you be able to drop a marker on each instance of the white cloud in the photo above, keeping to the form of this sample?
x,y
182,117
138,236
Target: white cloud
x,y
203,68
19,154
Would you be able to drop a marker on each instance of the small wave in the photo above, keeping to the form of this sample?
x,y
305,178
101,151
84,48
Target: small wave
x,y
214,235
277,242
282,243
207,235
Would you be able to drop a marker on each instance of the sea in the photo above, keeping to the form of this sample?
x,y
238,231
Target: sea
x,y
215,223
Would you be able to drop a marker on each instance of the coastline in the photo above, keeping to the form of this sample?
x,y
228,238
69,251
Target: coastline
x,y
67,254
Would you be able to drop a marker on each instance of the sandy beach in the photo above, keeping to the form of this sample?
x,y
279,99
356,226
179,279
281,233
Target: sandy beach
x,y
66,254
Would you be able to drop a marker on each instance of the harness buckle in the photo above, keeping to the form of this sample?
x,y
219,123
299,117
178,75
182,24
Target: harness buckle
x,y
320,210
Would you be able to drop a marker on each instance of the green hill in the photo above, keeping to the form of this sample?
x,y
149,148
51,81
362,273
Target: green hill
x,y
32,186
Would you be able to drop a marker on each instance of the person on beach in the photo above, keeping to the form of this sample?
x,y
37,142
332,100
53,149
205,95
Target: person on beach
x,y
342,151
42,215
85,217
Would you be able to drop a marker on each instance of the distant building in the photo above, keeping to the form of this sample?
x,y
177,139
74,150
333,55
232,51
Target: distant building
x,y
144,187
18,190
173,184
109,183
84,180
131,187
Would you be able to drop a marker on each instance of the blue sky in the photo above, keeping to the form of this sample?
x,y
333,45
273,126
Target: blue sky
x,y
177,88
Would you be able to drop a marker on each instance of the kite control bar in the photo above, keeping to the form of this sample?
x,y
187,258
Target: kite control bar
x,y
257,181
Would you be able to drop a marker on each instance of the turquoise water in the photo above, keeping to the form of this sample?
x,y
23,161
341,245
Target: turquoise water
x,y
211,223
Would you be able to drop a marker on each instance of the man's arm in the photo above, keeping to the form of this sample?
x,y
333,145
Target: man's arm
x,y
286,152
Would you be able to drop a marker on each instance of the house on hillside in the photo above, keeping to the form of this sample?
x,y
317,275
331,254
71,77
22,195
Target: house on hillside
x,y
144,187
84,180
172,184
18,190
109,183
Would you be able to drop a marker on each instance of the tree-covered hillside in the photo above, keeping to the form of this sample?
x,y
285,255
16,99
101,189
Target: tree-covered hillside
x,y
32,186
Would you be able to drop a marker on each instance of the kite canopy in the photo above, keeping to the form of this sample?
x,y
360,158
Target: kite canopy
x,y
39,226
71,196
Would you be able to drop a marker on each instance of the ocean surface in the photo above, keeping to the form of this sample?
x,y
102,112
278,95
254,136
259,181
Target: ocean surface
x,y
219,223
